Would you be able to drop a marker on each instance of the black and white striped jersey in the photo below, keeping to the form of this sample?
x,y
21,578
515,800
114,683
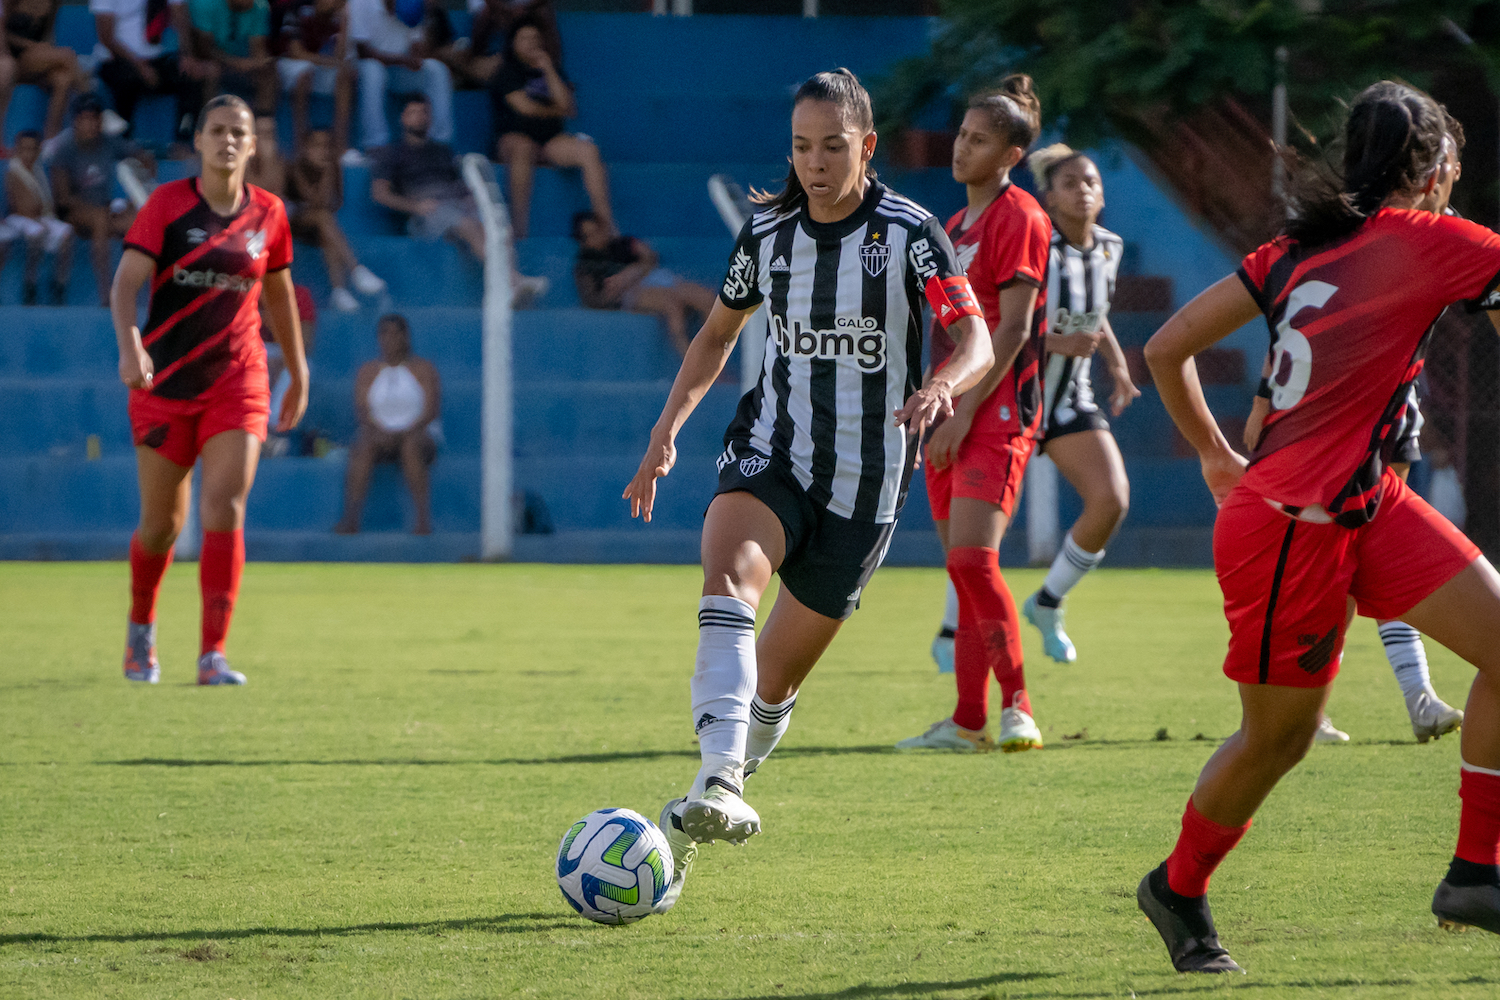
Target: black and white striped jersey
x,y
844,345
1080,284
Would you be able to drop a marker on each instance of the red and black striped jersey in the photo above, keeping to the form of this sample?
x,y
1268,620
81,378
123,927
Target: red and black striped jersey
x,y
204,317
1350,321
1008,243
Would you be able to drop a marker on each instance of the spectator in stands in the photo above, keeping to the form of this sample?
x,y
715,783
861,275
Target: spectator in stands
x,y
132,63
392,54
83,176
315,190
620,272
33,217
419,177
397,400
232,36
267,168
531,100
314,50
494,20
29,28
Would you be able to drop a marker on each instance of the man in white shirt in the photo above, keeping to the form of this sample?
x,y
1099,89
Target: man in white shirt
x,y
132,62
393,55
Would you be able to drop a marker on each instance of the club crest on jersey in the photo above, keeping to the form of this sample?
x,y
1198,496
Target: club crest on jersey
x,y
875,255
196,236
753,465
966,255
255,243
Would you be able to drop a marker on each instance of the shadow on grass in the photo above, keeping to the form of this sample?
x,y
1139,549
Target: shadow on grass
x,y
873,992
504,923
614,757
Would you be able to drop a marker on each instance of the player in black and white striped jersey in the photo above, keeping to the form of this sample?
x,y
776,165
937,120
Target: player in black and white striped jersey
x,y
817,460
1084,261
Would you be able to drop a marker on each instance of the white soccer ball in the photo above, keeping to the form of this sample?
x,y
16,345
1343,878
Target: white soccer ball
x,y
614,866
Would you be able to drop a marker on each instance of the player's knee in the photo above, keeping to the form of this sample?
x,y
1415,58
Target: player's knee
x,y
157,533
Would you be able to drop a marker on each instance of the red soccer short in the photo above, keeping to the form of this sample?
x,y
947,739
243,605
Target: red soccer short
x,y
990,466
176,428
1287,583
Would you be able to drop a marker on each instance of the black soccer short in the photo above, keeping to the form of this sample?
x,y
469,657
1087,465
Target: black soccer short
x,y
1072,422
829,559
1405,443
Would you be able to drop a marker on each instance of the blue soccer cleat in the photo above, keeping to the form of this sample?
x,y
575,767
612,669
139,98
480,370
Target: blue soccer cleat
x,y
140,654
1049,622
942,651
213,670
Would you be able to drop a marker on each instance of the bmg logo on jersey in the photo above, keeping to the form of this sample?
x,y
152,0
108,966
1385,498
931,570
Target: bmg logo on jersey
x,y
859,339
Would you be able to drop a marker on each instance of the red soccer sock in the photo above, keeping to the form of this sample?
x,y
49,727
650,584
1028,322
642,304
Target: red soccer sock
x,y
988,639
219,568
1199,850
146,572
1479,821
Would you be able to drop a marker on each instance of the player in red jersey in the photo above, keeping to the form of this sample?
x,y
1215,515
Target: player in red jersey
x,y
1350,294
976,458
209,246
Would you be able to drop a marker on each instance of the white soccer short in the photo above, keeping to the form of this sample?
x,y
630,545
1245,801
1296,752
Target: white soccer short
x,y
51,230
324,78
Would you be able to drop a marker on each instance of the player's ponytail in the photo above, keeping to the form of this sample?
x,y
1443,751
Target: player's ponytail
x,y
1013,109
1393,141
838,87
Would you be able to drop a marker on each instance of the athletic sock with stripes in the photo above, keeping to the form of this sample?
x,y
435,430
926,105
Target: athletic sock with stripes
x,y
723,684
989,636
1403,647
146,572
1201,846
950,613
220,565
768,724
1476,859
1070,566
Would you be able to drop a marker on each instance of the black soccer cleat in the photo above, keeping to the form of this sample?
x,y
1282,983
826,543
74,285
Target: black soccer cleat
x,y
1185,924
1458,907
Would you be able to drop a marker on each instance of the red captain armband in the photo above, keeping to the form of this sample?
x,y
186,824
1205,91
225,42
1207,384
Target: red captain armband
x,y
952,299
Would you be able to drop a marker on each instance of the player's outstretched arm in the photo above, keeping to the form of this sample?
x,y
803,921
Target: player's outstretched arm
x,y
1213,315
705,358
136,268
281,310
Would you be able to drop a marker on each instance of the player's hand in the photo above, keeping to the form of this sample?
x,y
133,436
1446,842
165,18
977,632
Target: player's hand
x,y
942,447
1074,345
1222,471
1255,421
928,404
1124,393
136,369
293,405
661,455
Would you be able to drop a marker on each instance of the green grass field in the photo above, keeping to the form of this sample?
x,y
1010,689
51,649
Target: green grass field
x,y
376,814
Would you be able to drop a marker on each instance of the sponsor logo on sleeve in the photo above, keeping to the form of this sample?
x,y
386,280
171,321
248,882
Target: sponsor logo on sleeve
x,y
922,258
741,276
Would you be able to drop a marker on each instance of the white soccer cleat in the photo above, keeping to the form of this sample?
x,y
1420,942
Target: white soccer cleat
x,y
1327,734
942,651
684,853
720,814
366,282
1431,717
344,301
1049,622
1018,731
945,734
213,670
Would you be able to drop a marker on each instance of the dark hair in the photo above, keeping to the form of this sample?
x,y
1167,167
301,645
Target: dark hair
x,y
515,29
579,218
838,87
415,97
222,101
28,133
1013,109
1393,140
396,319
87,103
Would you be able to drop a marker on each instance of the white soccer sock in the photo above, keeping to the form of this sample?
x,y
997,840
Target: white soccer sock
x,y
1403,647
950,609
768,724
723,684
1069,567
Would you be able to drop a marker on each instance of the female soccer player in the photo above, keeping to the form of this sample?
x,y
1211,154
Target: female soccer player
x,y
1081,269
976,459
197,374
1350,294
816,462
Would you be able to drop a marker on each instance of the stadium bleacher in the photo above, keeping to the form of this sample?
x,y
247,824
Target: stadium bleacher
x,y
671,101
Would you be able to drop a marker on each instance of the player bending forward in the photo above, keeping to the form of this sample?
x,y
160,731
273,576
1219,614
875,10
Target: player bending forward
x,y
816,462
197,375
1351,294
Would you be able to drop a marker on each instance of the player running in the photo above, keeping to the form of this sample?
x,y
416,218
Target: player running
x,y
1081,270
197,374
816,462
1350,294
976,458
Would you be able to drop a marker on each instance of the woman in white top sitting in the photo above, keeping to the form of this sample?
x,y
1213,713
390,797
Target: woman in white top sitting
x,y
398,399
33,216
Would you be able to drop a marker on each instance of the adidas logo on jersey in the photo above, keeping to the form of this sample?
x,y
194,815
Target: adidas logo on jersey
x,y
209,278
780,266
857,339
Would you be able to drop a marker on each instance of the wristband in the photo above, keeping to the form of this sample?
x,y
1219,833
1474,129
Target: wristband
x,y
1264,389
952,299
